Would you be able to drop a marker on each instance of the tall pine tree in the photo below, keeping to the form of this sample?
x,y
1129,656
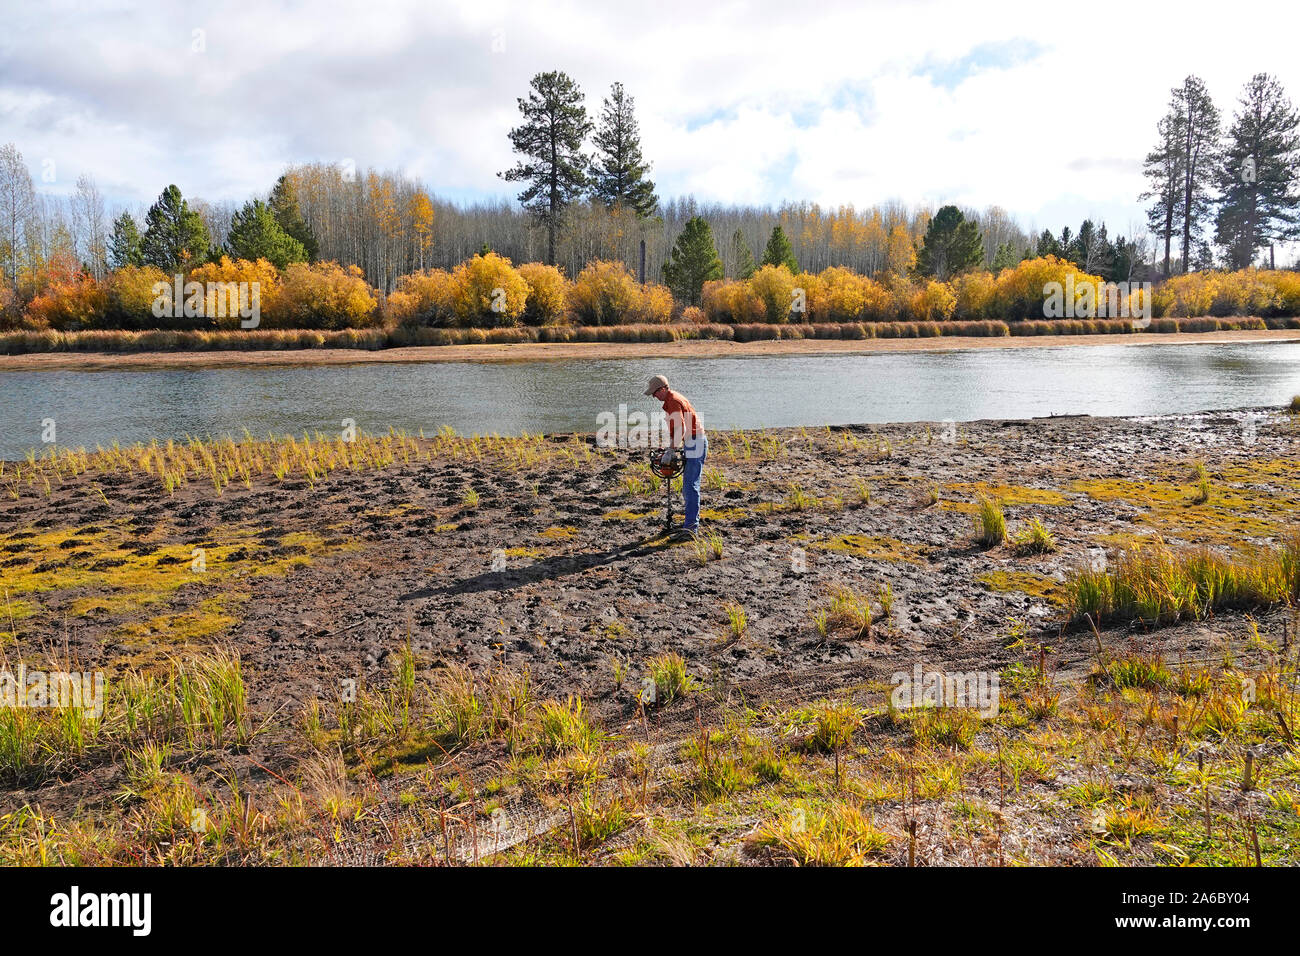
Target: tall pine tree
x,y
618,169
694,261
1259,203
1163,170
952,244
284,205
174,233
779,252
550,139
742,254
125,247
1198,146
255,234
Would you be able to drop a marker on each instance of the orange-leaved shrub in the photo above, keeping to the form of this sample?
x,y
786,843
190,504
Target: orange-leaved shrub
x,y
487,291
774,287
730,300
548,293
605,293
1020,292
422,298
323,295
230,285
69,304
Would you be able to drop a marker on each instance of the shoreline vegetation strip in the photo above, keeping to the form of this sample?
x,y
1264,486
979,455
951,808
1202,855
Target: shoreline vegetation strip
x,y
169,340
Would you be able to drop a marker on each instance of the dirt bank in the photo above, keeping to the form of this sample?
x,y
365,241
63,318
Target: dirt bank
x,y
544,351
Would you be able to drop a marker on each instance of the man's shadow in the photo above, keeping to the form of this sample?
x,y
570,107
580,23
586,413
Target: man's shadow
x,y
546,569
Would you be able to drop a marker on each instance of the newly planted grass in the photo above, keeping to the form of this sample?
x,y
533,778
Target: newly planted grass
x,y
219,463
737,620
990,523
838,836
1155,584
1034,538
669,678
1204,490
849,610
1112,773
197,705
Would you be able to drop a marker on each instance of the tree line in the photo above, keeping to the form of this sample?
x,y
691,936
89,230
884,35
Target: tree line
x,y
1234,191
586,195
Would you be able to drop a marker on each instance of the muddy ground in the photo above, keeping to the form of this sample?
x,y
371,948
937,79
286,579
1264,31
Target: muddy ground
x,y
561,567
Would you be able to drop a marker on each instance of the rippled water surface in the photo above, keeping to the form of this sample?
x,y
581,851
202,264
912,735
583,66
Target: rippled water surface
x,y
90,408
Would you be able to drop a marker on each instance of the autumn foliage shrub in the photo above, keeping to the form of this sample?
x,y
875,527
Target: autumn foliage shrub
x,y
548,294
77,302
131,296
1183,295
974,292
773,287
222,293
422,298
322,295
730,300
487,291
847,296
1287,287
1247,292
605,293
932,302
808,298
1020,293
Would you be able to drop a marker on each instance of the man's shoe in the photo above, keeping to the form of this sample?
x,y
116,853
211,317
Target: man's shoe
x,y
684,532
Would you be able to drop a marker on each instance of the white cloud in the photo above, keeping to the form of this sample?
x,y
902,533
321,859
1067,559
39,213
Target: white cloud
x,y
835,103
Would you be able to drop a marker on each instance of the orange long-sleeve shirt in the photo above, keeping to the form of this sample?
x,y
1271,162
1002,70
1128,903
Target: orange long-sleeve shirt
x,y
682,419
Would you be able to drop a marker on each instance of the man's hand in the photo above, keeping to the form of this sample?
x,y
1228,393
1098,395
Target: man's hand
x,y
666,459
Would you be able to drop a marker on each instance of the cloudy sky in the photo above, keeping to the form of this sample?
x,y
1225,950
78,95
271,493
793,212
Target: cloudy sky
x,y
1043,109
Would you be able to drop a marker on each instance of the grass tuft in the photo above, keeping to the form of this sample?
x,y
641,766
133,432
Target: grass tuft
x,y
990,523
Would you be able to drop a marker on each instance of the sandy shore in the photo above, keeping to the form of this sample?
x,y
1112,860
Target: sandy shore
x,y
549,351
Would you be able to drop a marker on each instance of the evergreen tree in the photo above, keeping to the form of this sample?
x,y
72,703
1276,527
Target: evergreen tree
x,y
779,252
619,170
952,244
1048,246
1005,257
550,139
1069,244
125,247
1094,251
1197,123
694,261
744,257
1125,261
174,233
1259,203
255,234
284,205
1163,170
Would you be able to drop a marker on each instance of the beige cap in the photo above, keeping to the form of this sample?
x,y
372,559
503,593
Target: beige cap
x,y
656,383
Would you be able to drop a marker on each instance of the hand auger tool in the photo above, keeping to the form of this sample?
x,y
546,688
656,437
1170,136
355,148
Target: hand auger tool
x,y
667,472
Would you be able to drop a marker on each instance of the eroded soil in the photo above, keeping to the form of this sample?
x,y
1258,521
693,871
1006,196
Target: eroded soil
x,y
561,567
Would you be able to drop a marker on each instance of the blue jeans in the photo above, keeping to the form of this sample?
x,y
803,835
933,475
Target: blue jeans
x,y
694,451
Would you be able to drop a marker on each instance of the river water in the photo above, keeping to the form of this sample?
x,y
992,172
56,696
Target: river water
x,y
89,408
